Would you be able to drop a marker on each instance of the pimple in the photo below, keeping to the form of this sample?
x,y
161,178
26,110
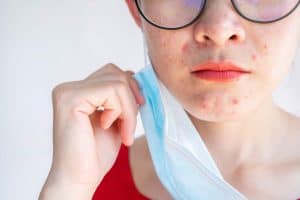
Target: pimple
x,y
235,101
204,105
184,47
265,46
253,56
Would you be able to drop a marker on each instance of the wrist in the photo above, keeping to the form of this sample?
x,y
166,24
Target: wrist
x,y
61,190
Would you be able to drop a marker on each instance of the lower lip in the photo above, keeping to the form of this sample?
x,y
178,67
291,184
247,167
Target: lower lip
x,y
219,76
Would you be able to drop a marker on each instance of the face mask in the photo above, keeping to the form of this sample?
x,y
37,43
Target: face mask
x,y
180,157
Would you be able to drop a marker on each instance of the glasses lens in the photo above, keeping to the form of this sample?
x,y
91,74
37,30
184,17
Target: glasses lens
x,y
265,10
171,13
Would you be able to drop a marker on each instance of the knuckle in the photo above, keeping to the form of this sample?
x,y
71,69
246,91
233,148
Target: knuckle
x,y
58,91
105,69
61,91
112,67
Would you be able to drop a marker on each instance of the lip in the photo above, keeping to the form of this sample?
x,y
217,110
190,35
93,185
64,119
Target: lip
x,y
219,71
219,66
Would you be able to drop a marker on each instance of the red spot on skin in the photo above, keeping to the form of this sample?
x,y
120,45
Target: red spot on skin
x,y
235,101
204,105
184,47
253,57
265,46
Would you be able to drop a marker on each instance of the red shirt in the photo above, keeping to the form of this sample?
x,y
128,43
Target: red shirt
x,y
118,182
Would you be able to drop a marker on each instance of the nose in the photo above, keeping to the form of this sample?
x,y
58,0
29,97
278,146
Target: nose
x,y
219,24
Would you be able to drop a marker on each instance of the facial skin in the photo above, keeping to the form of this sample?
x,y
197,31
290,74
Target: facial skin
x,y
255,143
267,50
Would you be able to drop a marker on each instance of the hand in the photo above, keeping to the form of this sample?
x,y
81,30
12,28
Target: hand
x,y
86,138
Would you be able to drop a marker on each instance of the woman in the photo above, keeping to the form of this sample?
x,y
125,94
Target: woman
x,y
222,60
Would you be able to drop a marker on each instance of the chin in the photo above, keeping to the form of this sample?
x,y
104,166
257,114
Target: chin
x,y
215,115
217,109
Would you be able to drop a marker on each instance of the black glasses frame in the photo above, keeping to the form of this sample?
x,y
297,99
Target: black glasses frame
x,y
203,7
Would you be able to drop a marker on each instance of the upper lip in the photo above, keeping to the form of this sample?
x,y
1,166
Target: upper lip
x,y
219,66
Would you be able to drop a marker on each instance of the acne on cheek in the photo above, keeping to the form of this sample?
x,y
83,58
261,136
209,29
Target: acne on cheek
x,y
184,48
253,57
204,105
235,101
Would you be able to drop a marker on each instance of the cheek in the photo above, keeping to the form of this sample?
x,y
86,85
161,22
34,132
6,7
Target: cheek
x,y
184,48
165,52
274,64
235,101
253,57
222,105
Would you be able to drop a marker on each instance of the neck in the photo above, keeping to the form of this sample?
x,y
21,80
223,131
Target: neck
x,y
252,138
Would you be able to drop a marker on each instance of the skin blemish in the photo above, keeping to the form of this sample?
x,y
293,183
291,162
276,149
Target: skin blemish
x,y
235,101
184,48
204,105
265,46
253,56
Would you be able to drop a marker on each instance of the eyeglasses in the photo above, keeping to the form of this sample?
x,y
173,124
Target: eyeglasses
x,y
177,14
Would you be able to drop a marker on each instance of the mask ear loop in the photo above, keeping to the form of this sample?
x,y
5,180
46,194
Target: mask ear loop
x,y
147,61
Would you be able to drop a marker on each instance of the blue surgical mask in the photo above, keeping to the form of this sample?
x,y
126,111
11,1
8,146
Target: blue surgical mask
x,y
181,160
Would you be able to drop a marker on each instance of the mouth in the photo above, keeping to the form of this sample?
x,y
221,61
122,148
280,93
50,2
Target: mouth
x,y
219,71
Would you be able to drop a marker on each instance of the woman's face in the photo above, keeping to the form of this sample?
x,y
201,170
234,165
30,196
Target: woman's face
x,y
220,34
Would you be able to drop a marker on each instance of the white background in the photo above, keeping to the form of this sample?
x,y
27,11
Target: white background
x,y
43,43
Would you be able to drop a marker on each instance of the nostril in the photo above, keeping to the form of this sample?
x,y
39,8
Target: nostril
x,y
206,37
233,37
